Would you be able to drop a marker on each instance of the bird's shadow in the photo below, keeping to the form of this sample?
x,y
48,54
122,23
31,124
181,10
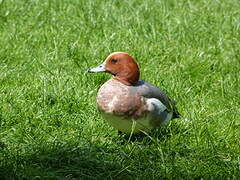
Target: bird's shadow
x,y
60,161
75,159
161,134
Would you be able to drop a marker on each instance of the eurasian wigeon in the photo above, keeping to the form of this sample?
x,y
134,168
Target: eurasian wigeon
x,y
129,104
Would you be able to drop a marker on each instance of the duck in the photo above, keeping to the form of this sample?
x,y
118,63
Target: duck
x,y
129,104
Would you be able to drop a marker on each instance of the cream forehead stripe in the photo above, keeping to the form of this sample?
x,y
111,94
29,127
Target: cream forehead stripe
x,y
115,53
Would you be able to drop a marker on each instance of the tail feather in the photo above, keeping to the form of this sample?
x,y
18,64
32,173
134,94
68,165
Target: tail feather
x,y
176,114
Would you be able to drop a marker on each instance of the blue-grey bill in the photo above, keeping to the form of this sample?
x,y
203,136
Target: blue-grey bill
x,y
100,68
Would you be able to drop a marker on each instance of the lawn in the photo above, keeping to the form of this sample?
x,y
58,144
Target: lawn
x,y
49,125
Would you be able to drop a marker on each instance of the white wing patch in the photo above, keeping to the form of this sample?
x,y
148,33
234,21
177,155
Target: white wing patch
x,y
155,105
157,108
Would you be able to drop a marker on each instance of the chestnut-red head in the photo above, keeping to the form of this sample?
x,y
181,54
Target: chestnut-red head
x,y
122,66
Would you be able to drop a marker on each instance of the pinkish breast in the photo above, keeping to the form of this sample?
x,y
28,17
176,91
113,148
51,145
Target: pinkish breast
x,y
118,99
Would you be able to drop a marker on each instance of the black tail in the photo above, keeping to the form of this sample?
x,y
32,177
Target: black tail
x,y
176,114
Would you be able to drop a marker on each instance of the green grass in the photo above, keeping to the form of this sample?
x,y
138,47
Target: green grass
x,y
49,125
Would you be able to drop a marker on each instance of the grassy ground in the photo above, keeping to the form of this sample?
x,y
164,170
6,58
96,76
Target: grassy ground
x,y
49,124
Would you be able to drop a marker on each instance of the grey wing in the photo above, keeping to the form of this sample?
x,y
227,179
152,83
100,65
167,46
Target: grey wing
x,y
150,91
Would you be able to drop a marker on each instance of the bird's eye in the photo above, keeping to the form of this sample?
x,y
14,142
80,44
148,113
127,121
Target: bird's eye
x,y
114,60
